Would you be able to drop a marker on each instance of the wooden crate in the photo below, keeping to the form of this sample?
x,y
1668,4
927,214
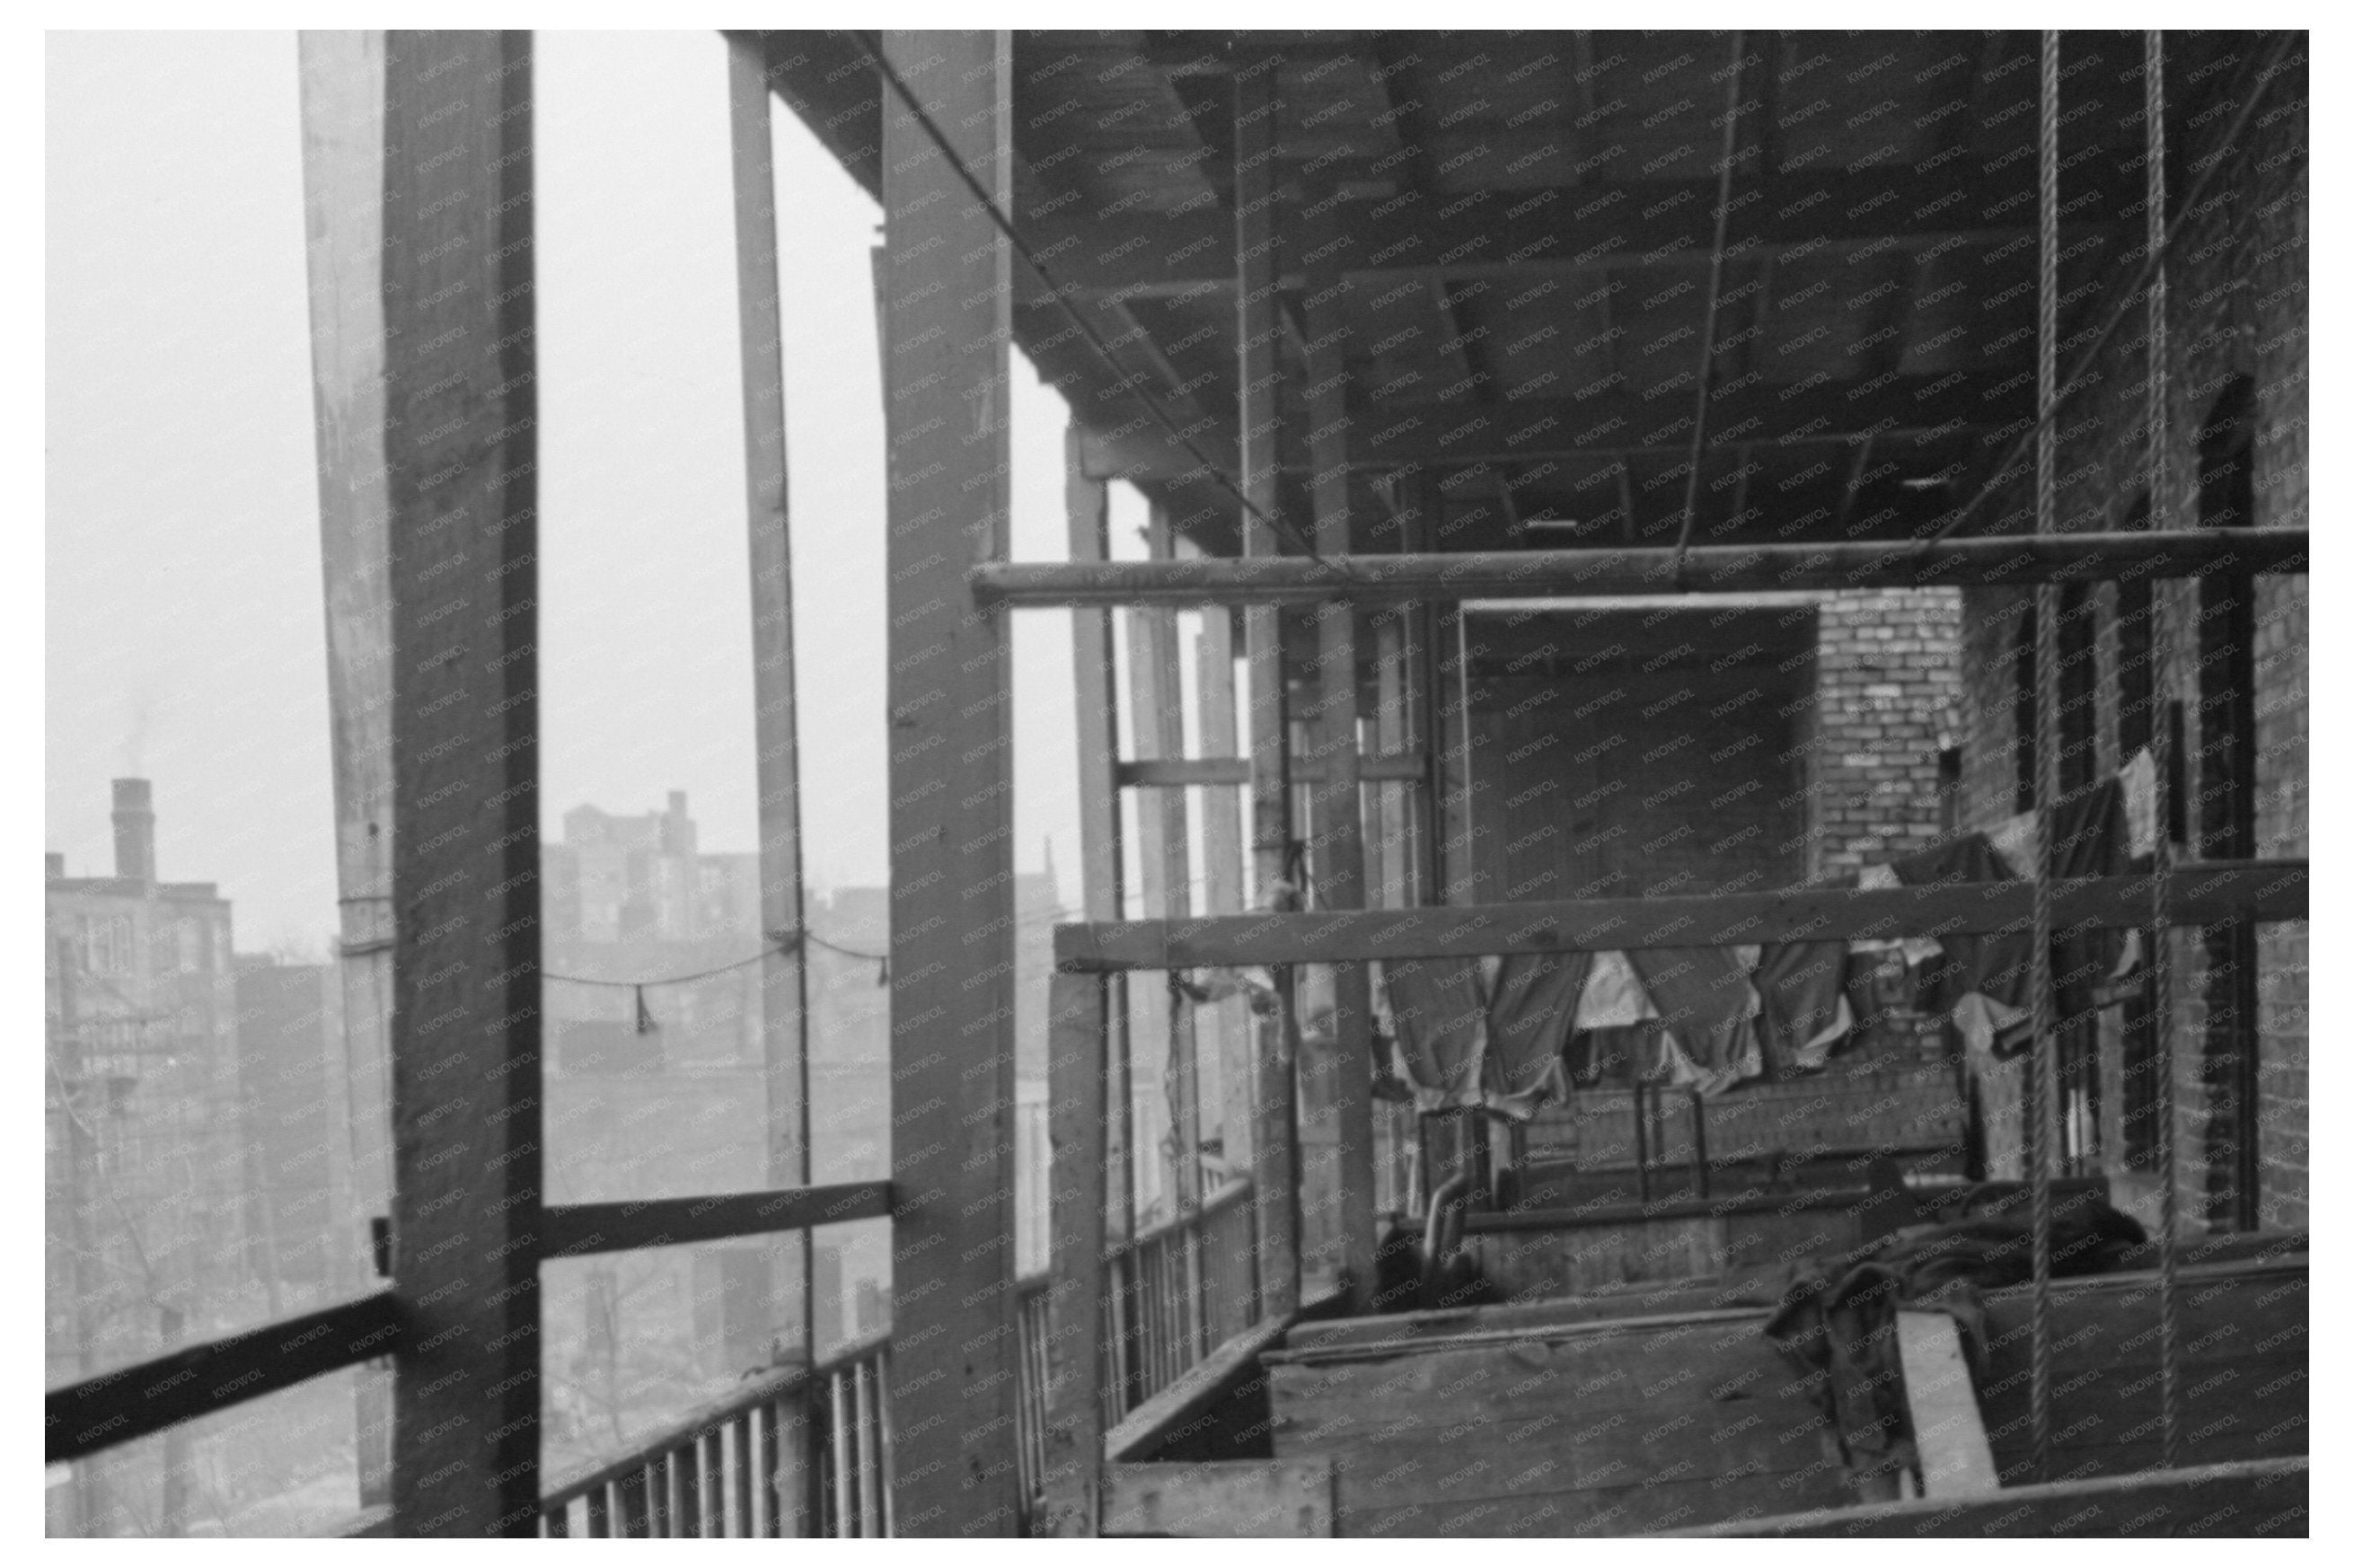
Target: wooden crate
x,y
1540,1419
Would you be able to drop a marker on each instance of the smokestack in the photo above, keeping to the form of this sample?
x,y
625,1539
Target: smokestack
x,y
135,830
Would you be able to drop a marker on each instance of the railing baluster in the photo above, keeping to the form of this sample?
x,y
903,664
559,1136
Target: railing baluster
x,y
600,1518
839,1446
782,1519
740,1438
690,1489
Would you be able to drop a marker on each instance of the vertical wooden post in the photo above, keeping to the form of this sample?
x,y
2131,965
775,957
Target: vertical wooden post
x,y
1222,888
1344,1073
1085,506
341,75
461,449
1258,253
1454,874
949,312
784,972
1078,1115
1159,726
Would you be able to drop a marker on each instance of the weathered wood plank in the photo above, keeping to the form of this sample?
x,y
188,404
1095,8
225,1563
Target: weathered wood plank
x,y
1594,574
2258,1498
461,447
948,308
2202,895
1211,1379
1232,1498
1076,1117
1258,257
1607,1511
1952,1441
1223,872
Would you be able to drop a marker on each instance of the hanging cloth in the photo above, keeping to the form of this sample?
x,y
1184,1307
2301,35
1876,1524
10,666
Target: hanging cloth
x,y
1802,1006
1613,997
1437,1009
1531,1004
1706,1003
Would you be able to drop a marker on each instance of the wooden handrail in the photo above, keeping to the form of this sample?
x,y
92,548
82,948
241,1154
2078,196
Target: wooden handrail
x,y
2201,895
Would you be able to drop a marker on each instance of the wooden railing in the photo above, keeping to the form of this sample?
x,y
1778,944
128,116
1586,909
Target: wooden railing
x,y
801,1453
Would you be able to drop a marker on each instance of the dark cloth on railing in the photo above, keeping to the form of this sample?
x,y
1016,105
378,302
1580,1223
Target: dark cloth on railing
x,y
2089,833
1529,1014
1800,1015
1436,1006
1706,1003
1837,1320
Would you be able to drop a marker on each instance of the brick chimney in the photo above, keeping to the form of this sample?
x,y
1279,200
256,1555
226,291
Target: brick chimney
x,y
135,830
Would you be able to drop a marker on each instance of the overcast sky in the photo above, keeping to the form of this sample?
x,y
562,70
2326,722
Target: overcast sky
x,y
185,632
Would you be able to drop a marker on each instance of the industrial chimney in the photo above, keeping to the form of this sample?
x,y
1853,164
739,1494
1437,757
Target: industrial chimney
x,y
135,830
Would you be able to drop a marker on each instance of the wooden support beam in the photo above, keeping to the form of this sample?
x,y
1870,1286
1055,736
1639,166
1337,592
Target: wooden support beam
x,y
945,367
135,1401
574,1230
2202,895
341,75
460,455
1143,773
1955,1458
1258,257
1077,1113
1337,1082
1727,568
784,971
2251,1499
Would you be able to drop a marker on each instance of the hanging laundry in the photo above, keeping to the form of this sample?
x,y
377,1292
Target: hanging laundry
x,y
1438,1027
2139,780
1704,998
1613,997
1802,1006
1530,1003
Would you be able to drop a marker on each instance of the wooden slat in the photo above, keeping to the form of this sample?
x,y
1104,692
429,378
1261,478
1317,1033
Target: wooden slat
x,y
1955,1458
575,1230
1157,773
135,1401
948,306
460,451
2262,1498
1288,1498
2202,895
1593,573
1259,263
1193,1393
1075,1375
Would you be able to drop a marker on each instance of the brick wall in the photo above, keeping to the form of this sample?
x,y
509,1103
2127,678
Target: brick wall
x,y
1886,692
2237,307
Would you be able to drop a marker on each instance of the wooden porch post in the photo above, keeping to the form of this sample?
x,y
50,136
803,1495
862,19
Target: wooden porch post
x,y
342,180
948,308
784,973
1343,1072
1258,253
1085,506
1078,1115
461,448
